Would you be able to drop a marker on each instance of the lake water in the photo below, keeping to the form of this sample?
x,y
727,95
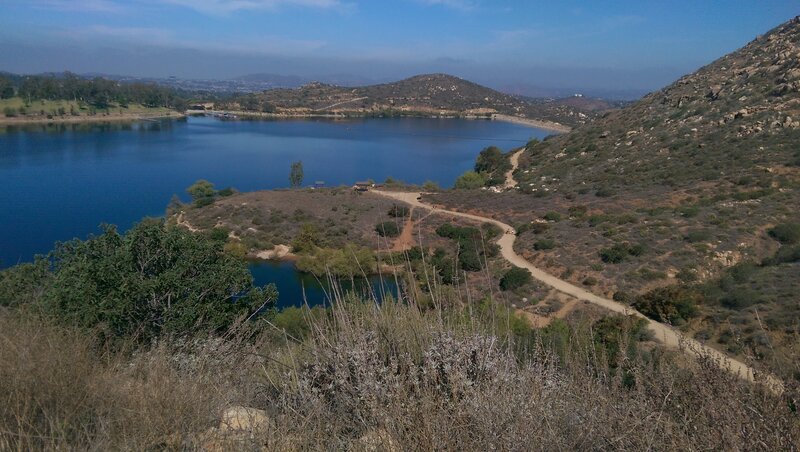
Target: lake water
x,y
296,288
64,181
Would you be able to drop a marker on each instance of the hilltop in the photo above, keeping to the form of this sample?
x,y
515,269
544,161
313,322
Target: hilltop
x,y
431,94
683,204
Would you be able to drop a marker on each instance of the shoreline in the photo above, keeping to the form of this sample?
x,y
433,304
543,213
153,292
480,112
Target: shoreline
x,y
533,123
17,121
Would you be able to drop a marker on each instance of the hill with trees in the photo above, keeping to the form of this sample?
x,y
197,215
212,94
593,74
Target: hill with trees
x,y
430,94
59,96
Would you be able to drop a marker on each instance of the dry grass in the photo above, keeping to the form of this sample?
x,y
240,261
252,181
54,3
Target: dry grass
x,y
370,377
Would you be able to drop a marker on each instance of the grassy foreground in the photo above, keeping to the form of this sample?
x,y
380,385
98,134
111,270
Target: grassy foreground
x,y
367,377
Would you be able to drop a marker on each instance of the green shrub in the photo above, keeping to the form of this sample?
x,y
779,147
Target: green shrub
x,y
786,254
552,216
430,186
740,299
786,233
623,297
202,202
539,228
637,250
492,160
590,281
515,278
307,238
604,192
225,192
387,229
544,244
698,235
669,304
688,211
615,254
398,211
578,211
595,220
687,275
470,180
470,246
351,261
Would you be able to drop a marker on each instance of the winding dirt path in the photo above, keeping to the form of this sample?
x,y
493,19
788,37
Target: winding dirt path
x,y
514,159
663,333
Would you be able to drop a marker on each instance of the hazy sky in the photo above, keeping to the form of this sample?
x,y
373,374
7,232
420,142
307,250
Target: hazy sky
x,y
621,44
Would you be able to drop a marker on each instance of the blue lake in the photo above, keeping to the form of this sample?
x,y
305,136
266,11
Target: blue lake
x,y
297,288
64,181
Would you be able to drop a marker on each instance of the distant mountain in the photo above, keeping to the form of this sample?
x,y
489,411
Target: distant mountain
x,y
276,80
296,81
438,94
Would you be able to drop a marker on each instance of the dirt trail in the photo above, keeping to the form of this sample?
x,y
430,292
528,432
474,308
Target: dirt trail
x,y
543,320
514,159
349,101
405,241
661,332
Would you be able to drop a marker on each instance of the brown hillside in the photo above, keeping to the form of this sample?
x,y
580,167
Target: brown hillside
x,y
683,189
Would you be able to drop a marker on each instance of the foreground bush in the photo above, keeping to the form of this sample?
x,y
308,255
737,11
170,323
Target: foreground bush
x,y
388,377
154,280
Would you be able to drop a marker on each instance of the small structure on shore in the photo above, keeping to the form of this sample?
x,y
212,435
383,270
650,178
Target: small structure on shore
x,y
319,184
363,186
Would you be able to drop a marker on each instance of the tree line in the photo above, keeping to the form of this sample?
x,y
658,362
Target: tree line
x,y
98,92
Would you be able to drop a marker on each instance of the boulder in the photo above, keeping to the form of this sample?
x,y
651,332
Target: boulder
x,y
378,440
714,91
239,418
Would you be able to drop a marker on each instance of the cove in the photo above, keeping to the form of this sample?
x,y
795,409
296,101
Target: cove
x,y
297,288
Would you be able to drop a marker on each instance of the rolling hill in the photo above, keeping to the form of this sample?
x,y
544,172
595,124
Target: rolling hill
x,y
431,94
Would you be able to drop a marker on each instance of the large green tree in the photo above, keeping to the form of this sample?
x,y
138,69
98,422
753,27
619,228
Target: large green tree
x,y
152,281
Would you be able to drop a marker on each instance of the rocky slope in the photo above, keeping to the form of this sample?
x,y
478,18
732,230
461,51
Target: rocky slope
x,y
738,116
682,190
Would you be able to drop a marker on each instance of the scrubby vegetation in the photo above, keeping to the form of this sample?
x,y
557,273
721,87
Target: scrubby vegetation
x,y
474,244
515,278
387,229
386,377
685,197
348,262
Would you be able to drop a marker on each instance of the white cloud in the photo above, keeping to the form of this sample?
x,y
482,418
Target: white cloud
x,y
104,6
229,6
463,5
213,7
158,37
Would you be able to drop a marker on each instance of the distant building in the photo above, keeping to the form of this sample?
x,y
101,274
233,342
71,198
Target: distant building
x,y
319,184
363,186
